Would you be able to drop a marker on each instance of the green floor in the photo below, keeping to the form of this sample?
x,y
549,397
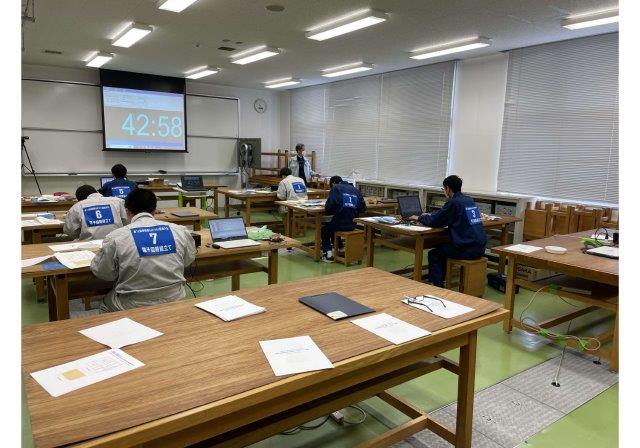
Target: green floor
x,y
499,356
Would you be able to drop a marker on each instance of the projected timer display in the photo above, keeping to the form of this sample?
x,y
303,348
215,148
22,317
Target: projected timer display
x,y
143,119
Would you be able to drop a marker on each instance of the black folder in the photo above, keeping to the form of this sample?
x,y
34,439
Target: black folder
x,y
335,306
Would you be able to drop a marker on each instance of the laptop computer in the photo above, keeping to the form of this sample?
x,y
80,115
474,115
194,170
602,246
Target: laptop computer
x,y
409,206
605,251
184,214
104,180
230,233
192,183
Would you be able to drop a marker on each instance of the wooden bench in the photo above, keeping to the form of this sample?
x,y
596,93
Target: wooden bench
x,y
353,246
472,275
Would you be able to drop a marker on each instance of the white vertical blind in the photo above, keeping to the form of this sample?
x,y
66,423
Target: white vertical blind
x,y
560,130
393,127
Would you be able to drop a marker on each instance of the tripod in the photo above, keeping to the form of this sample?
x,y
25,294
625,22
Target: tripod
x,y
29,169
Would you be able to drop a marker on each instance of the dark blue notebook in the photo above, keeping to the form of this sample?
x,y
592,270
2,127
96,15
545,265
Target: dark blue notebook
x,y
335,306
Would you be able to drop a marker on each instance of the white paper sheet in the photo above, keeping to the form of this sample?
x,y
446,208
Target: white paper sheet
x,y
412,228
34,261
294,355
230,308
29,223
391,328
34,215
64,378
81,245
448,310
76,259
120,333
43,220
524,248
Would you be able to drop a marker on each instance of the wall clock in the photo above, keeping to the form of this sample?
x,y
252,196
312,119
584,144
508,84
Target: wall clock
x,y
260,105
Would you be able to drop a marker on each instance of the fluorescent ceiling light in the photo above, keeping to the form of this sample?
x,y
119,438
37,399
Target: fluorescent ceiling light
x,y
586,21
281,83
202,72
346,70
131,34
353,23
246,57
456,47
175,5
99,59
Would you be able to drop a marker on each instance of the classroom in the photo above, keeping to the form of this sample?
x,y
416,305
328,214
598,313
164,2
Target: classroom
x,y
321,224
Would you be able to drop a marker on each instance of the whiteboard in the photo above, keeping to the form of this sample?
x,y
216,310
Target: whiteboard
x,y
64,123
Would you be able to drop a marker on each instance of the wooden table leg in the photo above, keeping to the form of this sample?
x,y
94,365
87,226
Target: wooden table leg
x,y
417,261
61,297
613,360
248,212
369,234
197,225
36,238
510,293
226,206
273,267
466,381
318,237
235,282
504,240
51,299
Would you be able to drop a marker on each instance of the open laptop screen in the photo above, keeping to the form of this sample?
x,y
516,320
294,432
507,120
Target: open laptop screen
x,y
104,180
191,182
409,206
227,228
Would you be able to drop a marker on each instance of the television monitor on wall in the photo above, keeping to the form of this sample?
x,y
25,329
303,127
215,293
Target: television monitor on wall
x,y
143,112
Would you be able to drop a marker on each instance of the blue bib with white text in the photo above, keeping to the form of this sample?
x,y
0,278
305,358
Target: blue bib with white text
x,y
98,215
120,192
152,241
349,200
299,187
473,215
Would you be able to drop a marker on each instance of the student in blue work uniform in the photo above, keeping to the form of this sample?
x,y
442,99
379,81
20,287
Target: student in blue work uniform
x,y
120,186
345,203
461,215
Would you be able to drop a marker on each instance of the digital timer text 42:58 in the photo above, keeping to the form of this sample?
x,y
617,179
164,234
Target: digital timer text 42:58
x,y
139,125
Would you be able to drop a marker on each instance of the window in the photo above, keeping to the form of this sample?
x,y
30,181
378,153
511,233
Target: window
x,y
392,127
560,130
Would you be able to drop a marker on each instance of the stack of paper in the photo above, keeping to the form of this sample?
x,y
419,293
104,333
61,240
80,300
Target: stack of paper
x,y
120,333
73,375
412,228
81,245
43,220
34,261
30,223
294,355
524,248
443,308
230,308
75,260
391,328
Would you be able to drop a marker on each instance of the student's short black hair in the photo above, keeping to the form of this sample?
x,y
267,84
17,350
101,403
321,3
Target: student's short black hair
x,y
141,200
334,180
284,172
453,182
299,146
84,191
119,171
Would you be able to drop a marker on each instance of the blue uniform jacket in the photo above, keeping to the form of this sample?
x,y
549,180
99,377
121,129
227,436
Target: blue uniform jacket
x,y
118,188
462,216
345,203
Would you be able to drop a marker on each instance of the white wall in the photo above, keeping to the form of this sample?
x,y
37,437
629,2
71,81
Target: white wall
x,y
252,124
476,127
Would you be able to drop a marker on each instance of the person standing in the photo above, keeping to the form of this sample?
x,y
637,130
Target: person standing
x,y
300,166
462,217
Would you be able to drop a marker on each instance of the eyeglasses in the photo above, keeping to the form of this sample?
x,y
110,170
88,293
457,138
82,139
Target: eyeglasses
x,y
423,300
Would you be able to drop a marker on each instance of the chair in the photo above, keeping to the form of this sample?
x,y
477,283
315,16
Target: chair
x,y
535,221
586,219
559,222
472,275
353,246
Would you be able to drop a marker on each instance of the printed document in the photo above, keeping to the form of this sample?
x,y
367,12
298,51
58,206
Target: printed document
x,y
34,261
391,328
74,375
120,333
294,355
230,308
443,308
81,245
75,260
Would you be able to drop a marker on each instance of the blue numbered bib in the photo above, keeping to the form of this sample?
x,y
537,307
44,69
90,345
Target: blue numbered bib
x,y
98,215
120,192
473,215
299,187
349,200
152,241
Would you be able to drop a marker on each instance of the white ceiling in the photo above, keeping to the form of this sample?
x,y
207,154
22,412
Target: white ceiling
x,y
181,42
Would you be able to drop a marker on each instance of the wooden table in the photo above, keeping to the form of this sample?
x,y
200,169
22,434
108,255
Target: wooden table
x,y
205,379
34,207
597,274
261,200
317,214
209,263
417,241
180,197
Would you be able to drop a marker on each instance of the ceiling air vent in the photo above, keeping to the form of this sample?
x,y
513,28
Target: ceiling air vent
x,y
226,48
52,52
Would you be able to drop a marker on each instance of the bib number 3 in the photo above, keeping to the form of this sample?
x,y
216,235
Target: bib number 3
x,y
473,215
